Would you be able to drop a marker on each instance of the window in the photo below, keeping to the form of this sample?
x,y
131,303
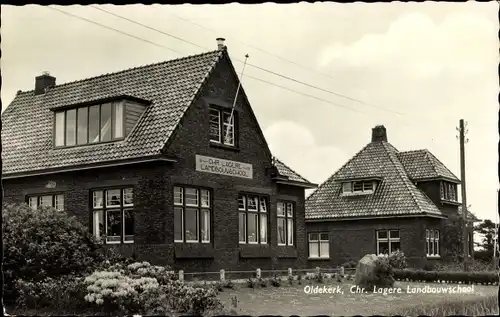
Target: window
x,y
222,127
252,219
358,187
113,215
432,239
87,125
449,191
285,223
51,200
192,212
319,245
388,241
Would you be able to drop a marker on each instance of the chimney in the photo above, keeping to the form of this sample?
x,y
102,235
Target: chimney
x,y
220,43
43,83
379,134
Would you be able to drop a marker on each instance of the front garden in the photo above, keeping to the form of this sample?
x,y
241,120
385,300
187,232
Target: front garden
x,y
53,266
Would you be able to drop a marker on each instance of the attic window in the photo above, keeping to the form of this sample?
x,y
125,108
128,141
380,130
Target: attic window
x,y
222,126
358,187
89,124
449,191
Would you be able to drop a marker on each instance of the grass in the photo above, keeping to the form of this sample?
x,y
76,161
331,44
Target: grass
x,y
292,300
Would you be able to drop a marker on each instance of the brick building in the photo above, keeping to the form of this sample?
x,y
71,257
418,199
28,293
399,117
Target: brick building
x,y
383,200
151,161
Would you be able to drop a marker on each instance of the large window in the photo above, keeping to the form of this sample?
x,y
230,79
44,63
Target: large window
x,y
192,213
432,239
222,127
358,187
252,219
449,191
319,245
51,200
87,125
285,223
388,241
113,215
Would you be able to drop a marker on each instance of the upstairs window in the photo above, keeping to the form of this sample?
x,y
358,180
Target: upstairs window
x,y
358,187
51,200
222,127
449,191
88,125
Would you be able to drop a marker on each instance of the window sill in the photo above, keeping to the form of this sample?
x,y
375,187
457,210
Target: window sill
x,y
357,194
318,259
450,202
223,146
433,256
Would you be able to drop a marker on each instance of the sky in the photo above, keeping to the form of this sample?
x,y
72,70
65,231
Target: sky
x,y
416,68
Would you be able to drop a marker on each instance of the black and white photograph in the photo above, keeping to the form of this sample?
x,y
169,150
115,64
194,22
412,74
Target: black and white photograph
x,y
304,159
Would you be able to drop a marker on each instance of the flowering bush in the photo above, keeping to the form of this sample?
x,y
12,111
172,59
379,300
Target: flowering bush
x,y
44,242
397,260
142,288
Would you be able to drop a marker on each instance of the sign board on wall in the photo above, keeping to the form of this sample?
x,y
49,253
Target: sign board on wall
x,y
223,167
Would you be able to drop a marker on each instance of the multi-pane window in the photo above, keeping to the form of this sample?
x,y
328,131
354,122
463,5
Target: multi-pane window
x,y
222,127
113,215
51,200
87,125
252,219
432,239
358,187
319,245
192,213
286,226
449,191
388,241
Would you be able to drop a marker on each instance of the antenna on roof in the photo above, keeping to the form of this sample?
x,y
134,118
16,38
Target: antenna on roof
x,y
231,118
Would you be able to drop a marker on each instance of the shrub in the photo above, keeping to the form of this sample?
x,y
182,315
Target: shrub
x,y
339,277
485,278
263,282
251,283
276,281
290,279
383,275
350,264
42,243
65,292
397,260
299,279
320,277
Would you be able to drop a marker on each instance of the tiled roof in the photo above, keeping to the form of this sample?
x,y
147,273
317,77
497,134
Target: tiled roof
x,y
422,164
286,171
395,195
170,87
470,215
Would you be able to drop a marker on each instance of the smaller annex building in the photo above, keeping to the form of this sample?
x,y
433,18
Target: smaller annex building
x,y
383,200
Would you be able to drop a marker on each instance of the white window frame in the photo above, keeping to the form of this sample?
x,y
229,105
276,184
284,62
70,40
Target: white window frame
x,y
223,126
320,241
201,211
55,197
104,208
348,188
432,243
286,216
389,239
259,212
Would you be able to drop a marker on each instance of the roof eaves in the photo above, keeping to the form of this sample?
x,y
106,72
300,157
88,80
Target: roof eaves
x,y
409,215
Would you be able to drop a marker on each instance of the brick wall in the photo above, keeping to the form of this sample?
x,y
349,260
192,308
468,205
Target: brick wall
x,y
351,240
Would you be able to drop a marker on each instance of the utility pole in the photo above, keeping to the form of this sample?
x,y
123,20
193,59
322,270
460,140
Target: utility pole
x,y
463,132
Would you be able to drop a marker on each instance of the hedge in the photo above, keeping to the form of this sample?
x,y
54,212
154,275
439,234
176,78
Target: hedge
x,y
484,278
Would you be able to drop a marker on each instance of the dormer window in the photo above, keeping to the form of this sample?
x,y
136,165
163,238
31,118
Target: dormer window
x,y
222,126
358,187
89,124
449,191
